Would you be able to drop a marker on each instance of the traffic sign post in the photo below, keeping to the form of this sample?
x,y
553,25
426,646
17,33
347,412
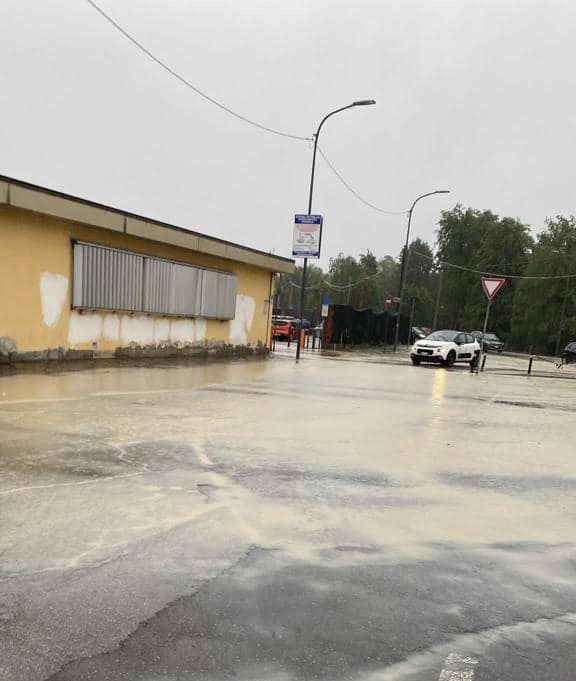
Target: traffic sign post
x,y
307,237
491,286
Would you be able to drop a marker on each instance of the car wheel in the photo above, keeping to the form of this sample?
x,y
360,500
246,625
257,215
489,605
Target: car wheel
x,y
450,359
500,349
415,361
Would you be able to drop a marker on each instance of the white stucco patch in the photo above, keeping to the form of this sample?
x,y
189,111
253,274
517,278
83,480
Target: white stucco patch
x,y
53,290
112,327
183,331
242,323
200,329
137,330
84,328
161,330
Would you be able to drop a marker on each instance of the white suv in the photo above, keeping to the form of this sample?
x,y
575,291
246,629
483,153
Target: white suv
x,y
446,347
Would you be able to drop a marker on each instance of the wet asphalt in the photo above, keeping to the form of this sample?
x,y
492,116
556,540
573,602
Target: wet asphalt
x,y
348,518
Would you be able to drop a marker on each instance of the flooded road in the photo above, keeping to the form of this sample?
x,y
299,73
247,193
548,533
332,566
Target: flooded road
x,y
265,521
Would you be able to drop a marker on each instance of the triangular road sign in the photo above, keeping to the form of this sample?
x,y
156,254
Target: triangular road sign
x,y
492,285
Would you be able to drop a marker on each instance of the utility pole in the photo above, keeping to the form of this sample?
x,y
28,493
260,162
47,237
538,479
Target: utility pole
x,y
360,102
411,322
404,262
436,308
362,295
562,315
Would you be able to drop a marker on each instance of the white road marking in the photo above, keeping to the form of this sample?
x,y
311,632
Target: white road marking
x,y
458,668
69,484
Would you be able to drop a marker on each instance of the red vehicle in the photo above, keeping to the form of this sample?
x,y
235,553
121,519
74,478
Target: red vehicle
x,y
282,327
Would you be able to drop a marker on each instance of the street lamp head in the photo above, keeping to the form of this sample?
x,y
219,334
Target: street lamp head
x,y
442,191
364,102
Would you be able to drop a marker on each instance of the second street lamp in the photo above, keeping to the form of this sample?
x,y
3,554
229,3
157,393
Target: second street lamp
x,y
404,263
359,102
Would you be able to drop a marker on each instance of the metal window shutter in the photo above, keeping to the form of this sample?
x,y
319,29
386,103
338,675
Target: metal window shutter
x,y
229,303
111,279
187,292
209,299
218,295
158,285
107,279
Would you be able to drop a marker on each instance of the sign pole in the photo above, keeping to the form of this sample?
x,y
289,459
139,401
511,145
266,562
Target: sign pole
x,y
302,298
306,244
483,335
491,286
411,322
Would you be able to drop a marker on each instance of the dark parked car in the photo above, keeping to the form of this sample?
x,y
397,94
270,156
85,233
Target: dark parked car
x,y
569,354
491,341
417,333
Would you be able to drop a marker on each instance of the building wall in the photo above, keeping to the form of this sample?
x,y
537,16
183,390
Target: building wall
x,y
36,294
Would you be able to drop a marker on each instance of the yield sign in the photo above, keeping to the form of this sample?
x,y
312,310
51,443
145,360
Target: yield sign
x,y
492,285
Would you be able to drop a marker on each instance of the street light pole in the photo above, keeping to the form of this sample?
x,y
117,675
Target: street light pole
x,y
402,281
437,306
562,315
360,102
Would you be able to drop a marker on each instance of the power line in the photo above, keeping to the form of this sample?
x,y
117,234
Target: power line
x,y
353,191
186,82
353,284
223,107
340,287
490,274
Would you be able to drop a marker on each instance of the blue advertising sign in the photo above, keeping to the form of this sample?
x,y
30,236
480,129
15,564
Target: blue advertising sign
x,y
307,236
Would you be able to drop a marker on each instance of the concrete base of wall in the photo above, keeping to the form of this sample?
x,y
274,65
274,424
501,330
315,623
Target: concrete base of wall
x,y
135,351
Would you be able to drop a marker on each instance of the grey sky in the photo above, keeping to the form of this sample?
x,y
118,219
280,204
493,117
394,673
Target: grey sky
x,y
474,96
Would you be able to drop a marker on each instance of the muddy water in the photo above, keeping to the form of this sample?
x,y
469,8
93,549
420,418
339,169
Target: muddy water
x,y
68,381
334,520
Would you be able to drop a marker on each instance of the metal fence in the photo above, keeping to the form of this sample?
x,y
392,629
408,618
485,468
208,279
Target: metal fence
x,y
346,326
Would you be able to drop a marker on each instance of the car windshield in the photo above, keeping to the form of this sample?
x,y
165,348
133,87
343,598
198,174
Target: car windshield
x,y
442,336
492,337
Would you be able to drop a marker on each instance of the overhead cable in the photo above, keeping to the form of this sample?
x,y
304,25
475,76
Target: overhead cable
x,y
230,111
340,287
490,274
186,82
356,194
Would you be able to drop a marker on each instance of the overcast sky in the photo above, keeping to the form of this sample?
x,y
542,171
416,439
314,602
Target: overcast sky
x,y
475,96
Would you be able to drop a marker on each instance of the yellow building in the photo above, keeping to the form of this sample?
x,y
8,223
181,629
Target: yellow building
x,y
78,279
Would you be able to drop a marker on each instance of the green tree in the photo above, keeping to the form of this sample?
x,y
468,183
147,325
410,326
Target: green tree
x,y
420,282
539,302
481,241
343,271
288,287
363,282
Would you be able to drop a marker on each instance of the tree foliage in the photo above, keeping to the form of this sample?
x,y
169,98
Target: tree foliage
x,y
538,322
481,241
